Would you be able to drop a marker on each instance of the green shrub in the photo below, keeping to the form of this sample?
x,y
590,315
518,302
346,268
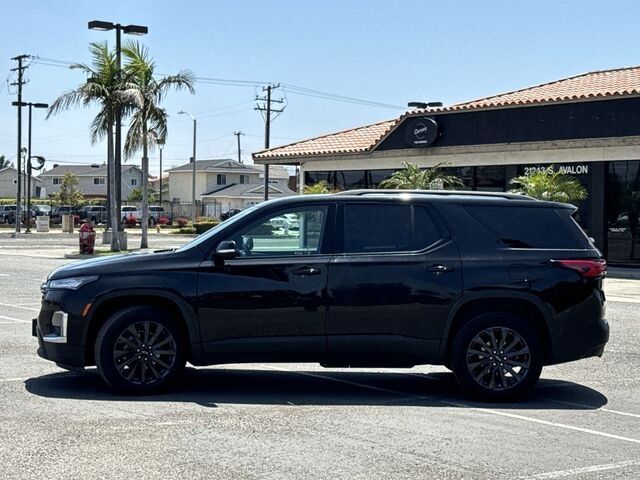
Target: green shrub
x,y
202,227
187,230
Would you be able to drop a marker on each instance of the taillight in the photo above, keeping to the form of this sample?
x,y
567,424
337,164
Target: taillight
x,y
586,268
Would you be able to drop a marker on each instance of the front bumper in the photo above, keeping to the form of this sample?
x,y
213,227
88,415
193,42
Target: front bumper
x,y
59,333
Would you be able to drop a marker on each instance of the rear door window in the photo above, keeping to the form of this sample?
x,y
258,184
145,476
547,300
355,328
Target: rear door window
x,y
380,228
530,227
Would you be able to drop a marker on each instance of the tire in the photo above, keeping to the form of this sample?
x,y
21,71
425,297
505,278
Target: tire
x,y
490,376
117,347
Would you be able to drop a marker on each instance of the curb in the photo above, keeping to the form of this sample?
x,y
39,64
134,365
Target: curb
x,y
623,273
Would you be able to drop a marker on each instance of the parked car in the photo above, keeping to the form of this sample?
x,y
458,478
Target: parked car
x,y
129,211
156,213
8,214
95,214
228,214
493,286
56,214
40,210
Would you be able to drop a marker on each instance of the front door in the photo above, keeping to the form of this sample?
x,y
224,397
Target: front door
x,y
391,284
269,302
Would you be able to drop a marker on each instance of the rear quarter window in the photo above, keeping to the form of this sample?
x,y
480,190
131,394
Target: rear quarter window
x,y
531,227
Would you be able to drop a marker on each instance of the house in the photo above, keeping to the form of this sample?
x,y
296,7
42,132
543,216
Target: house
x,y
9,184
212,175
92,179
154,185
240,196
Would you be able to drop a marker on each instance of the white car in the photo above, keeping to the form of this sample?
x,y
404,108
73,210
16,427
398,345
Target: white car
x,y
128,211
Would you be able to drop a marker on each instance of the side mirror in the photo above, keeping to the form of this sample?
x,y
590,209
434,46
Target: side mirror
x,y
226,250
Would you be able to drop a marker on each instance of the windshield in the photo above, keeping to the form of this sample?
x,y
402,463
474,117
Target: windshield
x,y
200,239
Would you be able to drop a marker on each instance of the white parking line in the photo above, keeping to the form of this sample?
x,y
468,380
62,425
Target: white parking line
x,y
14,319
579,471
13,379
19,307
471,407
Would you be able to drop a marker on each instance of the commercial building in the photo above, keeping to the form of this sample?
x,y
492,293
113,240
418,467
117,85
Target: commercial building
x,y
587,126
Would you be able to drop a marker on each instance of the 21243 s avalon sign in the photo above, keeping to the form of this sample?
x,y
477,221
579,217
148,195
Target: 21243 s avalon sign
x,y
421,132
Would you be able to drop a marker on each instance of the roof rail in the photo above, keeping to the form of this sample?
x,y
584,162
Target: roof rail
x,y
443,193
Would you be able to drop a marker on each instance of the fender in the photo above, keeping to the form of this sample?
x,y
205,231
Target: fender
x,y
191,318
471,296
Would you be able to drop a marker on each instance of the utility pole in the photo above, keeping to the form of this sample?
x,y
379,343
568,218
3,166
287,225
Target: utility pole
x,y
20,69
237,134
266,107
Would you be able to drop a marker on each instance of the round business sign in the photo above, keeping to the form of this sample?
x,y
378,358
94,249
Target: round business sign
x,y
421,132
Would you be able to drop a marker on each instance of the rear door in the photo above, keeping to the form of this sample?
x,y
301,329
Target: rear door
x,y
392,281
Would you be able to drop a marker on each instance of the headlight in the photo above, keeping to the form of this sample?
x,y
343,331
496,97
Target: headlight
x,y
73,283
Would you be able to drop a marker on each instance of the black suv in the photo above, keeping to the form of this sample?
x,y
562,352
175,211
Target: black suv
x,y
492,286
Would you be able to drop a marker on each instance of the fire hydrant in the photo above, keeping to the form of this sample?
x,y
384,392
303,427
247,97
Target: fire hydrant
x,y
87,237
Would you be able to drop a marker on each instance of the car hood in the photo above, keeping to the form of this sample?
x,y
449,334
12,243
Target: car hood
x,y
128,262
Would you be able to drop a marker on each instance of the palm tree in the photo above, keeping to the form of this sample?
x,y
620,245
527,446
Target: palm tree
x,y
4,162
412,177
148,123
550,185
101,88
321,187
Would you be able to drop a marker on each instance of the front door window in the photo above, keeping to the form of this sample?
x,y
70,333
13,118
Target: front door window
x,y
286,233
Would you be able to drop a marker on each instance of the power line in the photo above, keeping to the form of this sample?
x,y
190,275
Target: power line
x,y
294,89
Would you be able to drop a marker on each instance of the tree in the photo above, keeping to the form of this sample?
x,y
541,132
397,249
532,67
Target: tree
x,y
136,195
102,87
4,162
68,194
549,185
412,177
321,187
148,123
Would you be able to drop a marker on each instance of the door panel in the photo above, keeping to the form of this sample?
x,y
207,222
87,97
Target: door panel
x,y
268,303
397,299
260,306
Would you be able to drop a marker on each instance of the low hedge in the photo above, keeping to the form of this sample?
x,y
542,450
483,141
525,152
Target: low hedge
x,y
188,230
202,227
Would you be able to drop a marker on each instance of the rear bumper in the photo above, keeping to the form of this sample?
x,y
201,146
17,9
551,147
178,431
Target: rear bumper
x,y
586,342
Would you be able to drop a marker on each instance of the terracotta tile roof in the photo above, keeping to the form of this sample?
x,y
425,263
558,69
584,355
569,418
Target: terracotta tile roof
x,y
354,140
591,85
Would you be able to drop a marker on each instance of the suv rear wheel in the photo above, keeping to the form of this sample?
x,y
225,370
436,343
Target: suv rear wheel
x,y
497,356
140,350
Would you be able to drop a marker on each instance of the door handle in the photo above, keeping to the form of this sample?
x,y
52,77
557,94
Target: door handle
x,y
306,271
440,269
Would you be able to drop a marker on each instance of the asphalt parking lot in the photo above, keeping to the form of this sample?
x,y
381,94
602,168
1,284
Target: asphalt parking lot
x,y
303,421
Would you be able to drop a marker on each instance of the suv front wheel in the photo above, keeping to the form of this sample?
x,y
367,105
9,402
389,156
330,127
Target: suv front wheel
x,y
497,356
140,350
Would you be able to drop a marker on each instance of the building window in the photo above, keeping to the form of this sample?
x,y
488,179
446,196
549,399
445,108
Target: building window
x,y
134,182
57,180
623,211
221,179
244,179
99,181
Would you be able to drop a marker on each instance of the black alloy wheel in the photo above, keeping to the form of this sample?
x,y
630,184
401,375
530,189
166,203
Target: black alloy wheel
x,y
140,350
497,356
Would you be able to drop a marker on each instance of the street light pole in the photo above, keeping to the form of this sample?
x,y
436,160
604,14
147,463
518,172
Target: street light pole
x,y
28,162
193,180
129,30
160,147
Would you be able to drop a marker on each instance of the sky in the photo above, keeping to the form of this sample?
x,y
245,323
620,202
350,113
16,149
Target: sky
x,y
386,53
